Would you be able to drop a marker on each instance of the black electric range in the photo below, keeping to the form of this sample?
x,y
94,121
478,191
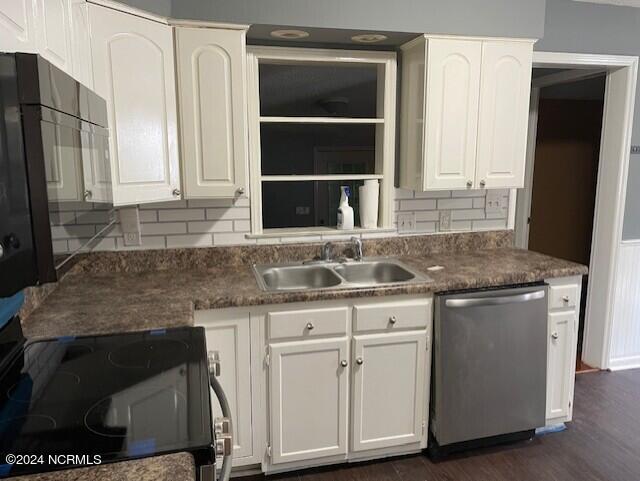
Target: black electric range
x,y
102,398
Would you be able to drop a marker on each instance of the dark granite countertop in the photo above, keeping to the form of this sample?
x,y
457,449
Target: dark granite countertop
x,y
171,467
102,302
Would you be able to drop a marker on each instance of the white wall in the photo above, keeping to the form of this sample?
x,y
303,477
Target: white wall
x,y
206,223
625,333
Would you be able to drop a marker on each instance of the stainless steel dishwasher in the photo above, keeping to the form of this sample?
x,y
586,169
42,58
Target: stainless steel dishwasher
x,y
489,367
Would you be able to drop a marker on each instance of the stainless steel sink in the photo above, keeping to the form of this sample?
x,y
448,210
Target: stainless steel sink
x,y
286,278
374,272
336,275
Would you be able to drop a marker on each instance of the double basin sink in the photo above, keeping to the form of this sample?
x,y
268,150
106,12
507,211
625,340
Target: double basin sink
x,y
336,275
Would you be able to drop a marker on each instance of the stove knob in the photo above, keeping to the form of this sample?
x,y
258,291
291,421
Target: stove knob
x,y
1,250
222,426
12,241
223,445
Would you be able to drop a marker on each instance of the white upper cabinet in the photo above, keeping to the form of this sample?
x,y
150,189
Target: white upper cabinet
x,y
451,102
464,111
81,42
133,70
17,26
54,33
212,100
504,111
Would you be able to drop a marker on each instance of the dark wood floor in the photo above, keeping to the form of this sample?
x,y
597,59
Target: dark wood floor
x,y
602,443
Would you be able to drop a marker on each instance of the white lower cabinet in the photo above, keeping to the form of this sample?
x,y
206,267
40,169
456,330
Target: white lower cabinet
x,y
346,380
389,378
229,333
564,305
308,399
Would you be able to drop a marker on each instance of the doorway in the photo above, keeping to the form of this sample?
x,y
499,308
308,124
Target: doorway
x,y
569,131
612,172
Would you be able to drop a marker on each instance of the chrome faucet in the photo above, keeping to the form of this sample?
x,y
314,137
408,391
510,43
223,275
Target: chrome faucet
x,y
357,248
326,253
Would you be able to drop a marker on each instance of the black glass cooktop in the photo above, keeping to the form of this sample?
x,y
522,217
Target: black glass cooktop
x,y
117,396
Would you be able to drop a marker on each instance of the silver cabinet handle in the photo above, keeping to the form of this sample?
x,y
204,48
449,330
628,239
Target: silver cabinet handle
x,y
88,194
176,192
469,184
393,319
482,184
214,363
359,361
310,326
1,250
344,363
555,336
565,299
494,301
240,191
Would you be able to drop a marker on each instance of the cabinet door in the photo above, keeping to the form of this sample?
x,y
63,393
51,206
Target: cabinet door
x,y
388,389
560,363
504,113
81,42
212,111
451,122
308,399
63,166
134,72
96,167
231,337
54,33
17,26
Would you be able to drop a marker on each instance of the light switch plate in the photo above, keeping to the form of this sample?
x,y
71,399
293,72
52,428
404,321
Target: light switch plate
x,y
406,222
445,220
130,225
495,202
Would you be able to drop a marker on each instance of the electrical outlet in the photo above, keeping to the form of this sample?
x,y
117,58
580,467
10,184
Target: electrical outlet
x,y
445,220
495,203
406,222
130,225
132,238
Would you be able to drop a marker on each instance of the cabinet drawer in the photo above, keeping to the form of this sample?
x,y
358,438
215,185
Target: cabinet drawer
x,y
307,323
413,314
563,296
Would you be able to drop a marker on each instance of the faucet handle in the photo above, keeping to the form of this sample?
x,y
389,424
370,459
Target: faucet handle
x,y
357,245
327,251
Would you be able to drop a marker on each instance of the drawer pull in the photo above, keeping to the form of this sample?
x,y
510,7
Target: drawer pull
x,y
310,326
359,361
344,363
393,319
555,336
566,299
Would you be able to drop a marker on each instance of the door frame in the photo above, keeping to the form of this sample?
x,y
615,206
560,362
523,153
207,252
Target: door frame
x,y
615,149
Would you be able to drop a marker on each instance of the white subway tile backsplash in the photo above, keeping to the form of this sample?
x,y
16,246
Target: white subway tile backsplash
x,y
229,213
467,214
147,242
180,214
241,225
164,228
231,238
211,226
417,204
190,240
458,203
92,217
208,222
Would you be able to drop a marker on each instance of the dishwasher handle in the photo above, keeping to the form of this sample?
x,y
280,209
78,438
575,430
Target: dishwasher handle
x,y
495,301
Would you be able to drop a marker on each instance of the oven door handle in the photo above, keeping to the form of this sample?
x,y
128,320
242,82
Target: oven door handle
x,y
494,301
223,429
